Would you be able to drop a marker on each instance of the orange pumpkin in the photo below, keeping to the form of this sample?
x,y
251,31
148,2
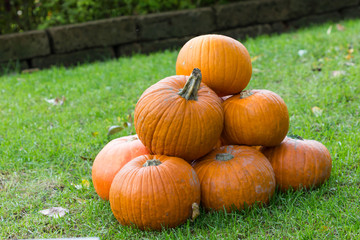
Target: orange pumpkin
x,y
255,118
179,117
224,62
299,163
111,159
154,192
232,176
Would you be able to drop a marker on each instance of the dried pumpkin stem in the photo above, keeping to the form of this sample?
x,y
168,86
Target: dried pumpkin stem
x,y
152,162
224,156
246,93
192,85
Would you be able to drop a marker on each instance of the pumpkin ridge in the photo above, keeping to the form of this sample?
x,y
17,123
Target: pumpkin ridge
x,y
161,120
165,170
160,171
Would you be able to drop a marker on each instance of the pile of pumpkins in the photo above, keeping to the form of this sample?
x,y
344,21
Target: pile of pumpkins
x,y
202,140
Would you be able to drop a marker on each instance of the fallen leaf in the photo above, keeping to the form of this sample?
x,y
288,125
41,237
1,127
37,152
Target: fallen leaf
x,y
337,73
94,134
317,111
349,56
301,52
77,186
350,64
55,212
56,101
114,129
130,118
328,31
256,70
253,59
79,200
127,124
85,183
340,27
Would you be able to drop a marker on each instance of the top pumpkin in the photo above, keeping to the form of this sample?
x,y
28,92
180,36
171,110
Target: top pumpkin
x,y
224,62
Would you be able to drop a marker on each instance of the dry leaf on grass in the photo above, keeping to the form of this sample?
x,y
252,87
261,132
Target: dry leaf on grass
x,y
337,73
55,212
114,129
328,31
340,27
302,52
56,101
317,111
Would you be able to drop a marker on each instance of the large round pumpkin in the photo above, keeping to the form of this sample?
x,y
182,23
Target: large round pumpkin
x,y
255,118
179,117
111,159
224,62
234,176
299,163
154,192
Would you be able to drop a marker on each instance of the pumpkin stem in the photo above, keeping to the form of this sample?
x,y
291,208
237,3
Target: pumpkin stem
x,y
246,93
195,211
224,156
152,162
192,85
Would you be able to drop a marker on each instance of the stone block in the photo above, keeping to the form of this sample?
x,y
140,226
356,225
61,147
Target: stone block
x,y
236,14
176,24
353,12
161,45
315,19
244,32
102,33
23,45
332,5
273,10
127,49
73,58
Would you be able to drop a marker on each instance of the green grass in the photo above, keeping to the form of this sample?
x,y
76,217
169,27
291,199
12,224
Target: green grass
x,y
45,150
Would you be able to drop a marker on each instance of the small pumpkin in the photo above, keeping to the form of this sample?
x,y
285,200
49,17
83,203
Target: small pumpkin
x,y
255,118
224,62
299,163
234,176
155,192
179,116
111,159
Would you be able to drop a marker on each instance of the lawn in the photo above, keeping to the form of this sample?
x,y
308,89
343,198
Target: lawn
x,y
47,148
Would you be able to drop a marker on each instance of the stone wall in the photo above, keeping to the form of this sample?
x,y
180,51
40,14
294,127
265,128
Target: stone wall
x,y
97,40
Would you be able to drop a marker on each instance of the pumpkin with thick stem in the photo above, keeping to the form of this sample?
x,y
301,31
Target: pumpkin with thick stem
x,y
155,192
255,118
224,62
179,116
234,176
111,159
299,163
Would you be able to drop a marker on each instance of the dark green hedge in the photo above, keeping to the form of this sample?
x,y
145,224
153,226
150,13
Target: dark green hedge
x,y
24,15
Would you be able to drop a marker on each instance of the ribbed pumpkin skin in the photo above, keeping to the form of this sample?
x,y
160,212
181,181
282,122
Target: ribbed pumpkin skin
x,y
224,62
111,159
299,163
168,124
247,178
156,196
261,119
